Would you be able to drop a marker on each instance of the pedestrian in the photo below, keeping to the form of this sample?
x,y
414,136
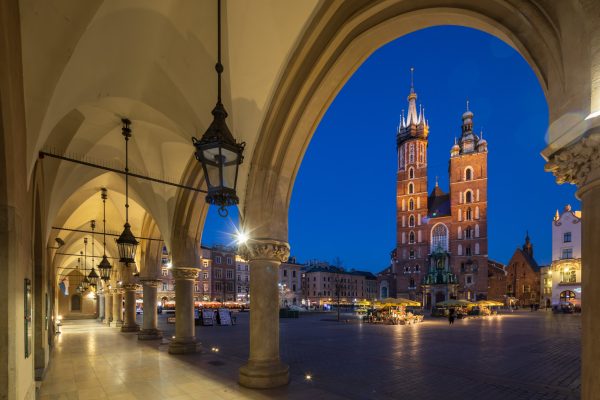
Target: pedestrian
x,y
531,306
451,316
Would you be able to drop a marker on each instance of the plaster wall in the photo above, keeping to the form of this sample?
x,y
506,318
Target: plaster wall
x,y
566,223
88,306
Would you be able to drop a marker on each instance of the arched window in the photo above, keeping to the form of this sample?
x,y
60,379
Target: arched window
x,y
418,202
411,237
469,214
401,158
468,233
403,237
567,295
412,282
476,248
411,173
439,237
403,221
411,154
417,268
403,204
411,221
419,236
477,230
468,174
411,254
459,215
459,232
411,204
459,250
477,212
468,196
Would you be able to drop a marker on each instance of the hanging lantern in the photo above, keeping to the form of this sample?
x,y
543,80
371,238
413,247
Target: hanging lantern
x,y
93,278
126,243
104,267
217,150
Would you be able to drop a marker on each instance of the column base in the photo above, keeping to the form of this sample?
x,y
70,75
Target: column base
x,y
118,324
130,328
149,334
107,321
260,375
183,346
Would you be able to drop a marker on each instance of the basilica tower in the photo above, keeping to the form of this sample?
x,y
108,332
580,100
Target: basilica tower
x,y
411,198
468,201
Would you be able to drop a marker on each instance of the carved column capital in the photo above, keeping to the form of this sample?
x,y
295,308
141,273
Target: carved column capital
x,y
578,163
151,282
184,272
130,286
265,249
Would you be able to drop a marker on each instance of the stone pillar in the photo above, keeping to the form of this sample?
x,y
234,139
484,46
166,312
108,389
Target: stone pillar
x,y
264,368
101,306
149,326
185,330
108,307
118,307
129,324
579,163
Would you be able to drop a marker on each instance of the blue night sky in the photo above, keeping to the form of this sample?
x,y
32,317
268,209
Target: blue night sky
x,y
344,199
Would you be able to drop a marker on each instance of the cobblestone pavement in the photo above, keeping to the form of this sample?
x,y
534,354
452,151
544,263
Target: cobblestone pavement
x,y
523,355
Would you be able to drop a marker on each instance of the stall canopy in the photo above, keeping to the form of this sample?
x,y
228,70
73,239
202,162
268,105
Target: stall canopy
x,y
455,303
390,302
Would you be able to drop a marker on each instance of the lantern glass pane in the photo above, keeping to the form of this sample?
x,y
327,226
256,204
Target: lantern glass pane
x,y
230,166
212,165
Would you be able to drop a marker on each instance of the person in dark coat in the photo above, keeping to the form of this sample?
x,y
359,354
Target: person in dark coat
x,y
451,316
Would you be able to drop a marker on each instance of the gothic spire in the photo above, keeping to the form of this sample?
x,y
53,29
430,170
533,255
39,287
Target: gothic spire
x,y
412,117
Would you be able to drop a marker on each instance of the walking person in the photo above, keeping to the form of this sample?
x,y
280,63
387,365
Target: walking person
x,y
451,316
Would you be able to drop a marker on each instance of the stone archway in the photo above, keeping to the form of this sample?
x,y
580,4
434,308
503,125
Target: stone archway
x,y
340,37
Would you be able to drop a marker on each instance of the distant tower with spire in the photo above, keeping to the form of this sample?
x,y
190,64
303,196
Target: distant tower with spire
x,y
412,140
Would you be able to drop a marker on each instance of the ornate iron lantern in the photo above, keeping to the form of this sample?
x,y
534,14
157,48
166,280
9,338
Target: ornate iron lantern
x,y
217,150
93,276
126,243
104,267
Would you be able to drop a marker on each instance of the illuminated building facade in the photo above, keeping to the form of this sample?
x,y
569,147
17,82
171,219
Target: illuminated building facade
x,y
440,234
565,271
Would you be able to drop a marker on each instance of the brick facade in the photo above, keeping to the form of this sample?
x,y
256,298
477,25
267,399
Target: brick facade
x,y
453,223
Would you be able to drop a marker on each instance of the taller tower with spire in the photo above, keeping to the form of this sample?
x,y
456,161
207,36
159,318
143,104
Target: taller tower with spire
x,y
468,200
411,139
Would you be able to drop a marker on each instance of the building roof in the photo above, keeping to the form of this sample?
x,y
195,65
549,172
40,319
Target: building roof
x,y
530,260
366,274
324,268
496,265
438,203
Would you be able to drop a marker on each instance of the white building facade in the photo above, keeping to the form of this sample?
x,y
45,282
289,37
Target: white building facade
x,y
565,271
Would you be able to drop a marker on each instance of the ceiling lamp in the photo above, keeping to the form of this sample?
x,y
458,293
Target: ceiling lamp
x,y
126,243
93,276
104,267
85,283
217,150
